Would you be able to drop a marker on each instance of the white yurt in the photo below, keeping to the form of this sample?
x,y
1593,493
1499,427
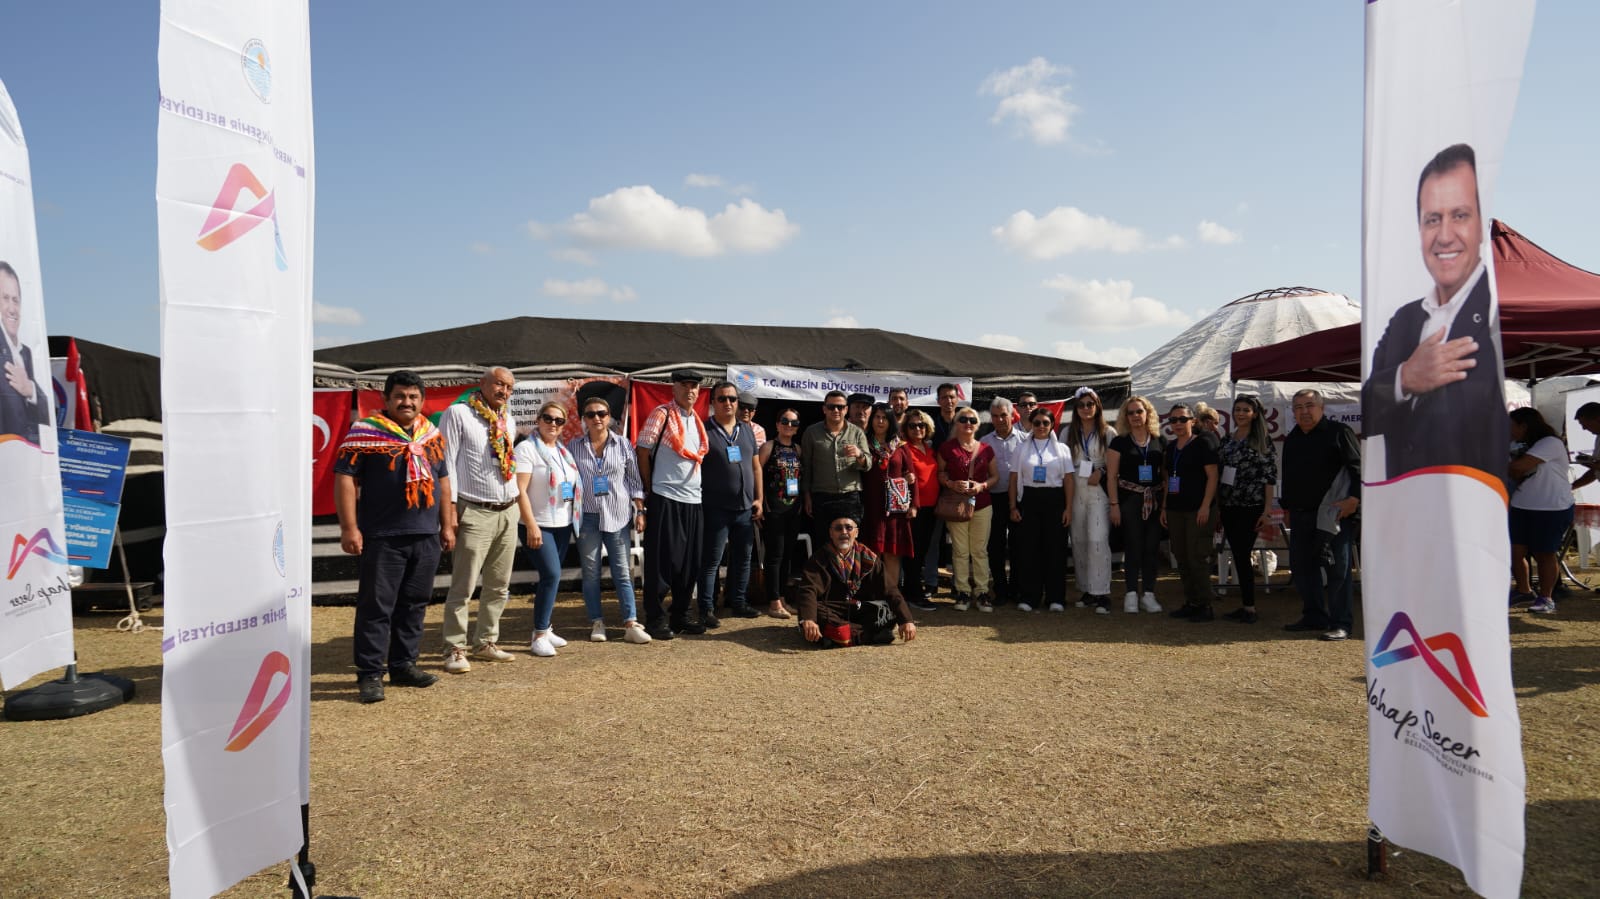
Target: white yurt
x,y
1195,365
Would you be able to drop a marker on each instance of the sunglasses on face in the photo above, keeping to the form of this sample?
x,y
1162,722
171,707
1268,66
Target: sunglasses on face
x,y
966,420
834,407
1042,422
596,413
842,527
1087,404
1179,420
746,407
551,420
789,422
1028,403
727,399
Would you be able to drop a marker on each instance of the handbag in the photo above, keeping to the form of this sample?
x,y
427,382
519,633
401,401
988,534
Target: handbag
x,y
897,496
953,506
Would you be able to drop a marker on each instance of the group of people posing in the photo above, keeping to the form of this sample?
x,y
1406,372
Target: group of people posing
x,y
874,487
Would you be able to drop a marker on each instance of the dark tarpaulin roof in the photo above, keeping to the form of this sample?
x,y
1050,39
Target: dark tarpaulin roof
x,y
122,383
1549,324
633,346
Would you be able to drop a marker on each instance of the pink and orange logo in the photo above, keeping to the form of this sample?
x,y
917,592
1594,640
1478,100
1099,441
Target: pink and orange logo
x,y
40,544
224,226
1463,682
256,713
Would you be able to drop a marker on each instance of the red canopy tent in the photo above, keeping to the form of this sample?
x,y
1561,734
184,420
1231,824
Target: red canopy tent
x,y
1549,324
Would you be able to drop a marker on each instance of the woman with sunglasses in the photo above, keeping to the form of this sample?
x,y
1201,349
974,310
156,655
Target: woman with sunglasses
x,y
967,469
887,533
1134,458
613,507
916,427
1248,478
1041,504
548,474
1186,512
780,525
1087,437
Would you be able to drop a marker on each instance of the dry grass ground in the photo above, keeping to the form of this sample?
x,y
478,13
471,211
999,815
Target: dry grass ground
x,y
997,755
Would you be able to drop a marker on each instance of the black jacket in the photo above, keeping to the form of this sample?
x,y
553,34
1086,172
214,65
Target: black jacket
x,y
1311,460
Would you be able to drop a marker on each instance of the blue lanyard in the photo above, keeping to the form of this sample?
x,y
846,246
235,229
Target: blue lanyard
x,y
725,438
600,458
1037,453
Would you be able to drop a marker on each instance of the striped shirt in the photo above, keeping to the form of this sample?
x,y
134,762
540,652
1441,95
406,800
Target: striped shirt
x,y
621,467
474,471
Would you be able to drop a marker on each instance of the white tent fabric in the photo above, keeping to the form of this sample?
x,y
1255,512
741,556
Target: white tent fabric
x,y
1195,365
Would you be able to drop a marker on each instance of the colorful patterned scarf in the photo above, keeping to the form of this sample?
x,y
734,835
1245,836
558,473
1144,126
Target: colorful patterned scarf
x,y
673,431
852,568
567,465
378,434
499,433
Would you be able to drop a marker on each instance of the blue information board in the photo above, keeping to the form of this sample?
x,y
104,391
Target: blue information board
x,y
92,470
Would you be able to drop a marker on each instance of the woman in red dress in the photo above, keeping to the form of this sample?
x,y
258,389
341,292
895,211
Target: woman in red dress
x,y
890,482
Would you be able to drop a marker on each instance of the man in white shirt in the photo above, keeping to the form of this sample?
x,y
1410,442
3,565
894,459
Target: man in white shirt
x,y
1435,388
478,437
1004,440
672,443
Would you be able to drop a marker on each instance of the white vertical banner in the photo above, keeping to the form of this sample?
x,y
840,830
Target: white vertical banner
x,y
234,211
1445,753
35,598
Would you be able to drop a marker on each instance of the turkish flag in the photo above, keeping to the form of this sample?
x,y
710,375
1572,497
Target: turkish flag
x,y
434,401
644,397
330,420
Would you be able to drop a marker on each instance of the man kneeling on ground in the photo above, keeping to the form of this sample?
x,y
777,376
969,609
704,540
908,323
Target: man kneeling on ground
x,y
844,598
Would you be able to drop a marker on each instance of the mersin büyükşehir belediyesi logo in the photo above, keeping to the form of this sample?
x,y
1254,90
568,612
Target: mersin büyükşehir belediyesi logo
x,y
1463,683
256,713
224,226
40,544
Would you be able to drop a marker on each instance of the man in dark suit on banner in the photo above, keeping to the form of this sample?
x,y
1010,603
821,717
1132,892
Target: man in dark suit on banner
x,y
1435,390
23,404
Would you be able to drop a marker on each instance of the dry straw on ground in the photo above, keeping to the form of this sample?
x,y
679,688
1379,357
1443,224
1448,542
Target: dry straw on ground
x,y
997,755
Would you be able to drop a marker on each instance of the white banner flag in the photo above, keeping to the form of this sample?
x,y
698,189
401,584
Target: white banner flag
x,y
234,203
811,384
35,598
1446,774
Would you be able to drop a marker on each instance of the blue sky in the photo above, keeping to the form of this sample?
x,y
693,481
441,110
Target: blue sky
x,y
1071,178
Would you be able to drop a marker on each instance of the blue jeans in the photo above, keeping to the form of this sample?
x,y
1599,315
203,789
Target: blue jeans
x,y
1326,605
547,561
616,543
737,530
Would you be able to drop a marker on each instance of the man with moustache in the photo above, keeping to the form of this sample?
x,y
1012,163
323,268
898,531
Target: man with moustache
x,y
23,404
392,490
899,402
860,409
844,598
671,447
1435,390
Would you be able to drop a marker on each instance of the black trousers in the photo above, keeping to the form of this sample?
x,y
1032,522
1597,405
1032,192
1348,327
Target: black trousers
x,y
1141,543
779,531
825,507
1002,547
672,535
396,582
922,528
1239,528
1041,549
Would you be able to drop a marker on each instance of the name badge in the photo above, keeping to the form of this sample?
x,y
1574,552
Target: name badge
x,y
1147,473
791,487
602,485
1085,468
1038,474
1228,472
566,491
734,455
1172,484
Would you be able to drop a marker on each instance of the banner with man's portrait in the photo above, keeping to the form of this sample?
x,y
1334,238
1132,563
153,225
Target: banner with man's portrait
x,y
1446,773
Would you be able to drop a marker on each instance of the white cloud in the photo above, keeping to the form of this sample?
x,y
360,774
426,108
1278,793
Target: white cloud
x,y
1122,356
839,319
587,291
639,218
1068,229
1034,94
1211,232
323,314
1109,306
1003,342
573,254
481,248
694,180
538,230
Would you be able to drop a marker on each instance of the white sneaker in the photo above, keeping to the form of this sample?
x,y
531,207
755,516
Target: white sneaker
x,y
1148,603
1024,607
597,631
555,640
1130,603
492,653
1102,610
634,632
542,647
455,660
1057,607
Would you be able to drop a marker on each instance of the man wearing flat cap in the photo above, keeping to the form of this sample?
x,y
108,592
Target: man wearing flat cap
x,y
860,409
844,597
671,446
747,417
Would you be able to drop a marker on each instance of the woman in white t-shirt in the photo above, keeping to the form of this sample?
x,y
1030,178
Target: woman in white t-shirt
x,y
1541,505
548,474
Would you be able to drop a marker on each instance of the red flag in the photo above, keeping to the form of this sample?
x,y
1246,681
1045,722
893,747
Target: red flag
x,y
330,419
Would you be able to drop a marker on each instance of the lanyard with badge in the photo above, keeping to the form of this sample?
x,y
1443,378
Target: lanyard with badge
x,y
1230,472
734,454
602,482
1086,464
1039,461
564,488
1173,483
1147,472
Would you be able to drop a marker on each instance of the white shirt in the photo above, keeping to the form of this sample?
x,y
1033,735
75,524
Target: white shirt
x,y
540,461
1547,489
474,471
1004,448
1440,318
1032,452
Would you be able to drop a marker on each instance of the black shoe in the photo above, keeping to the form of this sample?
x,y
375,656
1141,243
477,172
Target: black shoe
x,y
1303,625
1202,613
743,610
1183,611
371,686
923,605
709,620
659,632
411,676
1243,616
692,630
